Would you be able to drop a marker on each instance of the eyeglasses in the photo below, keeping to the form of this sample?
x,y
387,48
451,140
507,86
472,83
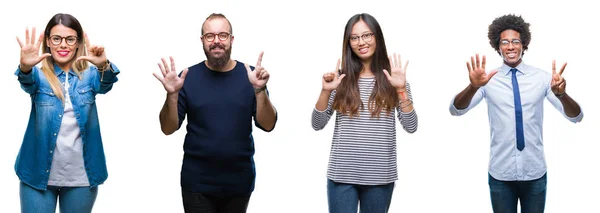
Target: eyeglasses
x,y
56,40
211,36
365,37
505,42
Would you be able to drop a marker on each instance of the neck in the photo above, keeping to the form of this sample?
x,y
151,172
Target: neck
x,y
65,67
366,71
228,67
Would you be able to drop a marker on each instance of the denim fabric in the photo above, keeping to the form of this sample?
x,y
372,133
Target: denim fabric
x,y
35,155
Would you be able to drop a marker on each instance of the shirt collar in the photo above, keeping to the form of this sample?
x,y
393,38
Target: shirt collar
x,y
58,70
506,69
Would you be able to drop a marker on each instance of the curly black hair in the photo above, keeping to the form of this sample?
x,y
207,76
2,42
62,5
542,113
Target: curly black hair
x,y
509,22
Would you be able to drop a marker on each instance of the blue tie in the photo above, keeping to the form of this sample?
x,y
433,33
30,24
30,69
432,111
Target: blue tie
x,y
518,110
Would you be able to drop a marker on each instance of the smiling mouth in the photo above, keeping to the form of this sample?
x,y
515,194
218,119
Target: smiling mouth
x,y
63,53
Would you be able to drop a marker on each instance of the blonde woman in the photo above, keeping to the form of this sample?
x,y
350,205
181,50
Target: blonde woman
x,y
61,156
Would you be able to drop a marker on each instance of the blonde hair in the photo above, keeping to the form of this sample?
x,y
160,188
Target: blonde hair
x,y
48,63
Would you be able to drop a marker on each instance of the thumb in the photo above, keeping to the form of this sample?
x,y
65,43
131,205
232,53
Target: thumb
x,y
84,57
184,73
341,77
43,56
492,73
387,74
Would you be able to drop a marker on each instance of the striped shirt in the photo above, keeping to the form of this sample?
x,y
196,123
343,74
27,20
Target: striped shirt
x,y
363,150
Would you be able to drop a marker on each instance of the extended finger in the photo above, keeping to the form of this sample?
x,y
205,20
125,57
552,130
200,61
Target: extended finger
x,y
260,56
387,74
162,69
562,69
20,42
39,42
473,63
32,36
172,64
469,67
405,66
27,38
483,62
184,73
553,67
478,65
396,62
160,78
165,65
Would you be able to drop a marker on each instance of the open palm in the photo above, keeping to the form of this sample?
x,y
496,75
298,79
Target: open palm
x,y
397,77
30,50
170,80
477,74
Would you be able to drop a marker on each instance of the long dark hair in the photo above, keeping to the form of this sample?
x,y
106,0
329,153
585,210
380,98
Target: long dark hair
x,y
383,97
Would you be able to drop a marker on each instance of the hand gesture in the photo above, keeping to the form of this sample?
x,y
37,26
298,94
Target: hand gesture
x,y
259,77
170,80
30,50
477,74
331,80
558,83
397,77
95,54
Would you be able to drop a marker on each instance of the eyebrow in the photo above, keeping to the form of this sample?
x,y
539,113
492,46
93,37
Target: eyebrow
x,y
365,32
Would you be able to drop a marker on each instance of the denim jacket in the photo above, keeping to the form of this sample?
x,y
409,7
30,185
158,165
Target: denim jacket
x,y
35,156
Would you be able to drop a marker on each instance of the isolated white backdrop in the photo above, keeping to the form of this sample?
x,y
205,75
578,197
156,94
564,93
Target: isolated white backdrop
x,y
442,167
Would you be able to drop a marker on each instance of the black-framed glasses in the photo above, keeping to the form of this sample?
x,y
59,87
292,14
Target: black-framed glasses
x,y
365,37
56,40
211,36
506,42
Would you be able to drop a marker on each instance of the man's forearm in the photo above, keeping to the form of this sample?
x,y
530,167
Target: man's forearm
x,y
265,112
169,120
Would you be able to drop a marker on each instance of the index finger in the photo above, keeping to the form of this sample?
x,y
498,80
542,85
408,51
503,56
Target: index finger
x,y
258,63
483,62
553,67
563,68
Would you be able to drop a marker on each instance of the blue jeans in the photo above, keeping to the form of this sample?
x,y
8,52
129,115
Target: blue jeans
x,y
72,199
531,194
345,198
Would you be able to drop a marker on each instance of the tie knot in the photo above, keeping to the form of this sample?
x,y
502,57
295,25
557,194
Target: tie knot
x,y
514,70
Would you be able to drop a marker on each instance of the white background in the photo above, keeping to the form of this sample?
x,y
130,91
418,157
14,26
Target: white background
x,y
442,167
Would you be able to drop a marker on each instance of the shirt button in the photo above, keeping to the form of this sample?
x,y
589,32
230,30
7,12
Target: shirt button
x,y
47,171
55,134
60,116
50,151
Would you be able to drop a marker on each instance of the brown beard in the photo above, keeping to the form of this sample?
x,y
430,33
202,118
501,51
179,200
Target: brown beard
x,y
217,62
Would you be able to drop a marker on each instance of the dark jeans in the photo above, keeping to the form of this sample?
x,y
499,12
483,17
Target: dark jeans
x,y
531,194
345,198
202,203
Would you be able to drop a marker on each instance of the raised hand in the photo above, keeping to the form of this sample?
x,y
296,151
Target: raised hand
x,y
30,50
477,74
397,77
259,77
95,54
558,83
331,80
170,80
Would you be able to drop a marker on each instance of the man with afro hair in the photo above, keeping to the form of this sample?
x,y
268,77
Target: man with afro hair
x,y
515,93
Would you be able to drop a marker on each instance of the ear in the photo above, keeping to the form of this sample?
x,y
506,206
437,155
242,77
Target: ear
x,y
232,37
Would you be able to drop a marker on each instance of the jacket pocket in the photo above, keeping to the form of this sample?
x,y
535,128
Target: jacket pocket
x,y
86,95
44,97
